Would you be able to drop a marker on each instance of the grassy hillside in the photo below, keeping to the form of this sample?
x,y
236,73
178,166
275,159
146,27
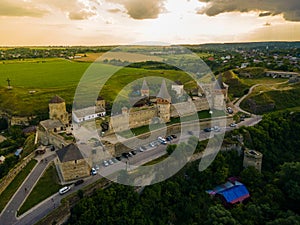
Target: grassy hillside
x,y
48,77
274,98
237,87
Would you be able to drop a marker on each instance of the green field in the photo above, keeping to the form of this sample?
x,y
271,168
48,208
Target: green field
x,y
61,77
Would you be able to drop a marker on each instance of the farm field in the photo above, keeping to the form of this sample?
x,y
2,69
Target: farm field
x,y
122,56
34,84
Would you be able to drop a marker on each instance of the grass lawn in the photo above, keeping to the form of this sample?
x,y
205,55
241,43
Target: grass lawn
x,y
7,194
45,187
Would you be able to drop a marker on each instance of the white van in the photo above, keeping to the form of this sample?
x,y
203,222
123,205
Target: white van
x,y
64,190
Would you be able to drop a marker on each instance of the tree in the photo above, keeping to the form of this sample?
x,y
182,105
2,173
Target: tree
x,y
170,149
219,215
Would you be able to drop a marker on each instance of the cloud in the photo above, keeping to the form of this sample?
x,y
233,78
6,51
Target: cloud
x,y
145,9
20,9
116,10
75,9
263,14
290,9
81,15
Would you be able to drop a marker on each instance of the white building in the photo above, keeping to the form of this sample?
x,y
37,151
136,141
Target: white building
x,y
281,74
89,113
178,88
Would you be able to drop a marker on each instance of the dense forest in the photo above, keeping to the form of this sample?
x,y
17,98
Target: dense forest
x,y
275,193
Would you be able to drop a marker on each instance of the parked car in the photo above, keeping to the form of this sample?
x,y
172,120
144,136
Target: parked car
x,y
161,139
130,154
207,129
173,136
125,155
64,190
229,110
141,149
114,160
110,162
78,182
233,125
216,128
152,144
133,152
118,158
168,139
97,167
93,171
105,163
163,142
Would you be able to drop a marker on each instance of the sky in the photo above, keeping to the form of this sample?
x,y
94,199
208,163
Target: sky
x,y
118,22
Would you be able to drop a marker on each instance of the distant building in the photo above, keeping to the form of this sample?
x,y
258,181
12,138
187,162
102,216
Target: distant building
x,y
178,88
71,164
232,192
244,65
281,74
252,158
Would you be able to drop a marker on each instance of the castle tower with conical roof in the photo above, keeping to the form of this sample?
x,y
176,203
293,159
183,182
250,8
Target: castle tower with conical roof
x,y
164,103
145,92
57,110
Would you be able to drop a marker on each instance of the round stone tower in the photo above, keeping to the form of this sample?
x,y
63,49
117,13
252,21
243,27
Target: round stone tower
x,y
252,158
164,103
57,110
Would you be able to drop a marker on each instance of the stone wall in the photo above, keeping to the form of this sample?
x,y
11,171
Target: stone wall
x,y
17,120
132,119
50,138
5,181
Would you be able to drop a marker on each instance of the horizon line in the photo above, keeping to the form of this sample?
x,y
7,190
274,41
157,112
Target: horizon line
x,y
139,44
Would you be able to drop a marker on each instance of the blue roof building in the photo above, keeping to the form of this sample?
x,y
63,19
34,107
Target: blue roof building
x,y
231,192
18,152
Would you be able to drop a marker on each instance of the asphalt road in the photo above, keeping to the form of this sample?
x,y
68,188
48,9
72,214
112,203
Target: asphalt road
x,y
8,215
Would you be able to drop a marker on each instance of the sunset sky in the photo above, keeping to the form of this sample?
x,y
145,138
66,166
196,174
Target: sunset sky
x,y
107,22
